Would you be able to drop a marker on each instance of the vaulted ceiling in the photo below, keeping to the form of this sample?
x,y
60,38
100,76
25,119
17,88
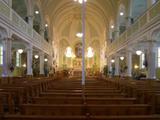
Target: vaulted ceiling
x,y
65,21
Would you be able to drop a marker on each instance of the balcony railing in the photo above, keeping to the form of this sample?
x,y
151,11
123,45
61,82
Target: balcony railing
x,y
14,19
144,20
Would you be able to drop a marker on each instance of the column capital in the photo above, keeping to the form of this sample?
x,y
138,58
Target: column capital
x,y
8,38
30,16
42,29
41,53
29,47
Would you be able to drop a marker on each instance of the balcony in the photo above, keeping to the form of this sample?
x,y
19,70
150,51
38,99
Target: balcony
x,y
135,31
18,25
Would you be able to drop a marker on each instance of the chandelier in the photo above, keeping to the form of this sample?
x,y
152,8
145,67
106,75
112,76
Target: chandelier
x,y
90,52
68,52
80,1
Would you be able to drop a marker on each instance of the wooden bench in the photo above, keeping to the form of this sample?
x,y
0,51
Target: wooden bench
x,y
130,109
107,101
135,117
55,95
105,95
6,103
54,110
60,100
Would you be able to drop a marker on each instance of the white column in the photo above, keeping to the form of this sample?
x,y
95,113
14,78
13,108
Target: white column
x,y
129,64
151,59
42,30
117,65
7,57
41,63
10,3
83,42
50,61
109,64
29,61
30,20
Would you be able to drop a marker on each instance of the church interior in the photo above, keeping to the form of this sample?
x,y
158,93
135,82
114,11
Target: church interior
x,y
79,60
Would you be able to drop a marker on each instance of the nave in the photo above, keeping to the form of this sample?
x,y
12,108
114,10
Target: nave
x,y
100,99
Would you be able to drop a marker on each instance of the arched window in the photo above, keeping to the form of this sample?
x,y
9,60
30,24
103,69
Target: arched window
x,y
138,7
46,32
1,54
21,8
111,31
121,21
37,19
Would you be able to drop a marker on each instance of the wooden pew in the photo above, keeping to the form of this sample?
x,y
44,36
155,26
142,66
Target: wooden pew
x,y
107,101
60,100
52,110
55,95
157,103
112,95
109,110
135,117
7,103
101,110
76,100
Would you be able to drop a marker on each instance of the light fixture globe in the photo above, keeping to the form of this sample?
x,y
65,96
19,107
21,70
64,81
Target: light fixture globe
x,y
46,25
122,58
112,26
24,65
20,51
80,1
136,66
45,59
138,52
37,12
79,35
121,13
36,56
112,61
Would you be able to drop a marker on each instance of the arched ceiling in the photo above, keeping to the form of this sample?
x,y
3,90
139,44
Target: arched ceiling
x,y
64,14
105,8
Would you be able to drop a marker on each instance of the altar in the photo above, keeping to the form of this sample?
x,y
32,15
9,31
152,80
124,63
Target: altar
x,y
77,67
77,63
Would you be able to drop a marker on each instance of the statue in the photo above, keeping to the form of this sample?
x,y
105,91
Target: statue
x,y
78,50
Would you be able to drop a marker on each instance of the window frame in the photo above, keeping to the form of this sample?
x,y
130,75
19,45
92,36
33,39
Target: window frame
x,y
158,57
1,55
18,59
